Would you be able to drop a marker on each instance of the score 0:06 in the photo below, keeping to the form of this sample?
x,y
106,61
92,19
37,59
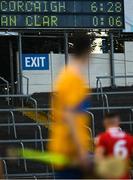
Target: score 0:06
x,y
109,21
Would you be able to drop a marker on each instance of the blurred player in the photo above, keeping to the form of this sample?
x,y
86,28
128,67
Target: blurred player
x,y
114,142
68,133
1,170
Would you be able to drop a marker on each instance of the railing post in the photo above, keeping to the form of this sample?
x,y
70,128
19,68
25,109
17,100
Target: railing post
x,y
27,88
41,138
92,122
97,82
5,168
35,103
7,86
14,127
66,47
20,64
107,102
11,68
112,63
25,164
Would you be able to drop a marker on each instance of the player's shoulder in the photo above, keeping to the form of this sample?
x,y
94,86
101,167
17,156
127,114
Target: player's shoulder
x,y
102,135
129,136
67,74
62,79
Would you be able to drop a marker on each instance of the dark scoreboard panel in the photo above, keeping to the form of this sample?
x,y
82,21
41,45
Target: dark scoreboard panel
x,y
61,14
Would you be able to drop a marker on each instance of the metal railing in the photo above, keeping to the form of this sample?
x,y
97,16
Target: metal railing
x,y
92,122
41,140
13,123
104,107
99,82
7,86
129,108
37,139
35,105
26,173
104,97
89,109
27,84
27,97
111,108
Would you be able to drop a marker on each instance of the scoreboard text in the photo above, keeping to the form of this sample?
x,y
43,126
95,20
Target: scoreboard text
x,y
61,14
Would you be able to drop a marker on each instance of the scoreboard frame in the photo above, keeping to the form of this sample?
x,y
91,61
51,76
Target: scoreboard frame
x,y
66,14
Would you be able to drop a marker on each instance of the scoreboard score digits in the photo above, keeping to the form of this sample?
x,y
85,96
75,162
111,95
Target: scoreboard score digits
x,y
60,14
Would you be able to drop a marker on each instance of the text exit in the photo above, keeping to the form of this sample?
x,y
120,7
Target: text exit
x,y
35,62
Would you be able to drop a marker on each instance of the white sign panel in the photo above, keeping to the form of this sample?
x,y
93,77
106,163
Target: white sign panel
x,y
128,15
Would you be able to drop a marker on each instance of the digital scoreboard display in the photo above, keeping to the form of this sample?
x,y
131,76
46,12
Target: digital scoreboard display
x,y
61,14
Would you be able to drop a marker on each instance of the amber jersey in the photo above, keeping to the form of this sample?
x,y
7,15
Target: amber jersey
x,y
70,92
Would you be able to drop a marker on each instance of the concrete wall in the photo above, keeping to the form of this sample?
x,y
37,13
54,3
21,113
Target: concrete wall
x,y
41,81
129,61
99,66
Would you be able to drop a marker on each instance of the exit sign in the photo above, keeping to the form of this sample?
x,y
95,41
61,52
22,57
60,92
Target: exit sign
x,y
35,62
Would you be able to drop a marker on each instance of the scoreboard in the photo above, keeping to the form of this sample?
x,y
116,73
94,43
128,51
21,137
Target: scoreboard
x,y
61,14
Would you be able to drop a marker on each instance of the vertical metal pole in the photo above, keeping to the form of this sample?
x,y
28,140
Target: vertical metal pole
x,y
11,67
125,68
112,65
20,64
66,47
51,67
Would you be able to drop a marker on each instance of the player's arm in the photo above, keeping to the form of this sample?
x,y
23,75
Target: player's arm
x,y
70,119
99,152
100,148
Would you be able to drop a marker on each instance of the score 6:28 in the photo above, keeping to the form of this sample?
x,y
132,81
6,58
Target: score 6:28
x,y
108,7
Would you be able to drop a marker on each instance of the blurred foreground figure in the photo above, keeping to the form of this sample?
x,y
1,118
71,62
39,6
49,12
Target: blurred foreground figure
x,y
114,143
1,170
69,102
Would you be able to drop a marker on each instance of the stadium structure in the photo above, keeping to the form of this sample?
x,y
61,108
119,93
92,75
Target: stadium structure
x,y
34,40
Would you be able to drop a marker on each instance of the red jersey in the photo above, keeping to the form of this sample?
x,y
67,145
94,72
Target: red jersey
x,y
116,143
